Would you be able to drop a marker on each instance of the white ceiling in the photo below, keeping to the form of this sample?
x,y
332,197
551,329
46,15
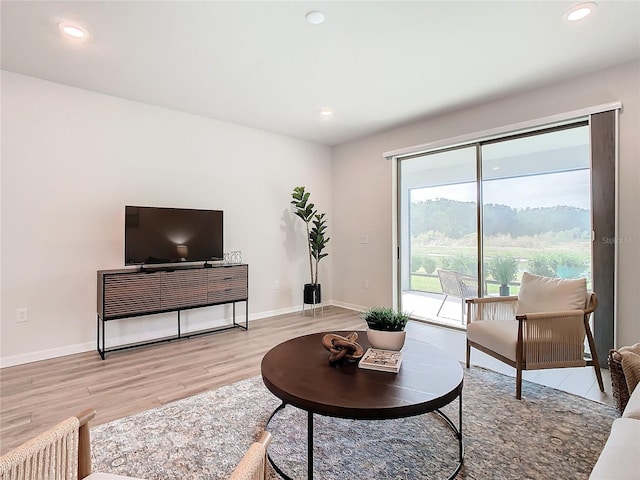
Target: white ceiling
x,y
377,64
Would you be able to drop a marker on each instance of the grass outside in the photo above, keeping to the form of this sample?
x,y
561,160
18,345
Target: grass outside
x,y
583,249
523,249
431,284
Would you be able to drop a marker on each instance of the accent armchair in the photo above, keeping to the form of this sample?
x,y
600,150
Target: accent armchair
x,y
543,327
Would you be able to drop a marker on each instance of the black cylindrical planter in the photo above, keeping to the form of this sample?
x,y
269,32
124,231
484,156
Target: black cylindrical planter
x,y
504,290
309,289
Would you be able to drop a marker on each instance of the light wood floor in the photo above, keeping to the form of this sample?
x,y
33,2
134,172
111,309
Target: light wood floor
x,y
37,395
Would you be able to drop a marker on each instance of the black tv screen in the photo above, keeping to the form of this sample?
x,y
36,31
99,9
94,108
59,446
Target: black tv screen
x,y
171,235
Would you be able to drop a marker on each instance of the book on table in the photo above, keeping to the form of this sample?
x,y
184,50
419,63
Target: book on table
x,y
382,360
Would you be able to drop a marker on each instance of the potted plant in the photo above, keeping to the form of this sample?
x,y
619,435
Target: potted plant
x,y
503,269
386,327
316,225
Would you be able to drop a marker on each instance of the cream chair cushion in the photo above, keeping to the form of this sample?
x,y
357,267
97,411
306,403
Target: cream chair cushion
x,y
545,294
500,336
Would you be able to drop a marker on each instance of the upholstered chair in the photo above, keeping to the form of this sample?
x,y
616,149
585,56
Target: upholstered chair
x,y
543,327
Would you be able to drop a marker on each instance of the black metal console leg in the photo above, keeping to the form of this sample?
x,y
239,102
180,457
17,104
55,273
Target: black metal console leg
x,y
98,337
234,314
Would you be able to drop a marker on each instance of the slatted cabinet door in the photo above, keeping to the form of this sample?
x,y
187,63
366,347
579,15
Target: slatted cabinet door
x,y
131,294
183,289
228,284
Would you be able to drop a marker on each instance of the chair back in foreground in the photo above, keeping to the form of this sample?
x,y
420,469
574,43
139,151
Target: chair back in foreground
x,y
543,327
51,455
61,453
255,464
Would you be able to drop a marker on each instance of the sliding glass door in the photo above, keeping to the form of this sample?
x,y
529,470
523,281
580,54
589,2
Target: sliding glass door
x,y
521,203
439,233
536,201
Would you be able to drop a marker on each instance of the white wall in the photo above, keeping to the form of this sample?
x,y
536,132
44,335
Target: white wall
x,y
362,185
71,160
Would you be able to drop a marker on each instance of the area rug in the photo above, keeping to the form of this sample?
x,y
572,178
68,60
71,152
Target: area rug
x,y
548,435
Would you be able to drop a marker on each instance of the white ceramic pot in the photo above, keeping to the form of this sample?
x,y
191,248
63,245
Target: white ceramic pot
x,y
386,340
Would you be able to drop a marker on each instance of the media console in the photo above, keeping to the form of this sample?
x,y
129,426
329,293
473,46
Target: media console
x,y
127,293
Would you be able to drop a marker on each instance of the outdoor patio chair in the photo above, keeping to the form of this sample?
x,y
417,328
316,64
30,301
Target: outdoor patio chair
x,y
458,285
543,327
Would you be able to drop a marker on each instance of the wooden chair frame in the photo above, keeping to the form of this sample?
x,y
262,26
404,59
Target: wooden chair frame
x,y
84,443
255,463
62,452
529,326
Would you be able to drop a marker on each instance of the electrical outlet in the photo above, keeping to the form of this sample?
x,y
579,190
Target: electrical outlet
x,y
21,315
365,283
276,285
364,239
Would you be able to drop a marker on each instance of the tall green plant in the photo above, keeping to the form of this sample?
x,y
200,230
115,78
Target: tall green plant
x,y
304,210
316,239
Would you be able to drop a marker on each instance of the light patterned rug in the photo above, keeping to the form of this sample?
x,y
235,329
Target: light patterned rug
x,y
547,435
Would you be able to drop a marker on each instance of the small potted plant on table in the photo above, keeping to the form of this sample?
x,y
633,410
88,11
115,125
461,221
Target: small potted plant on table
x,y
386,328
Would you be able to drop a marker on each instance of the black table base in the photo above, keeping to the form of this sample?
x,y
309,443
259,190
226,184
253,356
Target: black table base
x,y
457,430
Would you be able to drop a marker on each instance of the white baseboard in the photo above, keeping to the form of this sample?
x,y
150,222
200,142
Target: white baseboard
x,y
275,313
350,306
21,359
46,354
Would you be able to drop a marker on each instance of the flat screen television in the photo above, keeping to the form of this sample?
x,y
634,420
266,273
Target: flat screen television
x,y
155,235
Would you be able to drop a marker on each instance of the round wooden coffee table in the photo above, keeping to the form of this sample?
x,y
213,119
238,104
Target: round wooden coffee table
x,y
298,372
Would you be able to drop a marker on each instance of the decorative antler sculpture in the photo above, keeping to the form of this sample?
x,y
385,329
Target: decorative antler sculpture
x,y
342,348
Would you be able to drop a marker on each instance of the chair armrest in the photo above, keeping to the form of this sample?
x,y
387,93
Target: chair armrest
x,y
254,464
264,438
84,443
512,298
592,303
579,314
491,308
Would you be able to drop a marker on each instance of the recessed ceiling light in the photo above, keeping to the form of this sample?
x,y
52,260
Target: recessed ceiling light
x,y
326,113
73,31
315,17
580,11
